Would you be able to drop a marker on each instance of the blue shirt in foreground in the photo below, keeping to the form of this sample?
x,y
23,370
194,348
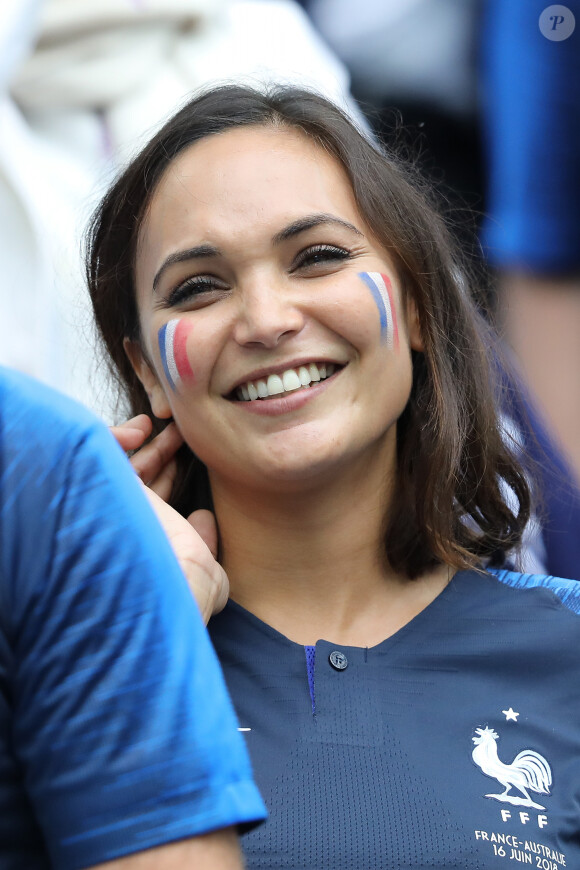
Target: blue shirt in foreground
x,y
116,732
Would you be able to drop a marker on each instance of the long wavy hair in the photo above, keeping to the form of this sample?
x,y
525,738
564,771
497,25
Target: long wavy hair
x,y
453,460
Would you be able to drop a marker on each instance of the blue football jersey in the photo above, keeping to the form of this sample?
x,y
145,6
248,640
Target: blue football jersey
x,y
455,743
116,732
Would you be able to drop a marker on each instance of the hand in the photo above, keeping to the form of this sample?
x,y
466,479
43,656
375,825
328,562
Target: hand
x,y
154,463
195,543
195,539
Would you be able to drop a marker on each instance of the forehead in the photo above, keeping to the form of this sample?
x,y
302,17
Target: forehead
x,y
242,180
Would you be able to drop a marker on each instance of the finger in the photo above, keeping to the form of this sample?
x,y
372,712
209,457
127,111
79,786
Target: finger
x,y
204,523
141,421
132,433
151,460
127,439
162,485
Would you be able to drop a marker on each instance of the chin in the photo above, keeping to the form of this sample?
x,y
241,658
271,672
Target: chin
x,y
306,473
302,474
289,475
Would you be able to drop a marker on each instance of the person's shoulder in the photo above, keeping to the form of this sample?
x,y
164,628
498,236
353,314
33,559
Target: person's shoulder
x,y
24,400
53,448
45,429
561,591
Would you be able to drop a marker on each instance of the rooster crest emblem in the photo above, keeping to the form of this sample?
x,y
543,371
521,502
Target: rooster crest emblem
x,y
528,770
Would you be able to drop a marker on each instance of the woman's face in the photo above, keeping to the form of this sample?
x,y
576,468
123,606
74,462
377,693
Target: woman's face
x,y
273,323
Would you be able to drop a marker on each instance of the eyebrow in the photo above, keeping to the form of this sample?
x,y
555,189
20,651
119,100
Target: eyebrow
x,y
182,256
308,223
301,225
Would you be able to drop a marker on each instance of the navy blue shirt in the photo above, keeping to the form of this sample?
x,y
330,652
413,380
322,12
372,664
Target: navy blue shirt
x,y
116,732
455,743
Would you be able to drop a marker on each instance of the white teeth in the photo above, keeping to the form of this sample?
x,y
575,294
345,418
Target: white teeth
x,y
275,385
291,381
314,373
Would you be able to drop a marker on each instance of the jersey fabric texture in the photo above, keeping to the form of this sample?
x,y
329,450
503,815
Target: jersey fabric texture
x,y
455,743
116,732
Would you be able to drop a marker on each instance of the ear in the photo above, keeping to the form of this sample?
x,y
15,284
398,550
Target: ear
x,y
413,326
148,377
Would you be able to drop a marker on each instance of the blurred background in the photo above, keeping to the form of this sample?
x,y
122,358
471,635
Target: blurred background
x,y
483,94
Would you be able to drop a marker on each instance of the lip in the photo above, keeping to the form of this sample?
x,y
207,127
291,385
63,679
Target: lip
x,y
288,402
280,368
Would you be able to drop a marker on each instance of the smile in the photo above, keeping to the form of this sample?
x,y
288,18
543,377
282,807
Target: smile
x,y
286,382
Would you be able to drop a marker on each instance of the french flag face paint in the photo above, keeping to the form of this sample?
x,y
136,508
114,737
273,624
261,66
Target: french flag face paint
x,y
172,345
382,292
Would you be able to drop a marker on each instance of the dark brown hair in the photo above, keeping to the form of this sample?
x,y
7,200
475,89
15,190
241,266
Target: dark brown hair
x,y
453,462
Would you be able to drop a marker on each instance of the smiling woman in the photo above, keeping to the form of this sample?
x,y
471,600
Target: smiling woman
x,y
447,429
274,285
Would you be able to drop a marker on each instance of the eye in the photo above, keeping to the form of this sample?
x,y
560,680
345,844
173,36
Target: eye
x,y
318,256
197,291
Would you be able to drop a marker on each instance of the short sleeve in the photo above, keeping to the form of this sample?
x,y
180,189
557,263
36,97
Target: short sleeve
x,y
122,724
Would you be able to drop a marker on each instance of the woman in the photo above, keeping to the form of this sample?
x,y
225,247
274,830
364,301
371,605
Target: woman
x,y
264,277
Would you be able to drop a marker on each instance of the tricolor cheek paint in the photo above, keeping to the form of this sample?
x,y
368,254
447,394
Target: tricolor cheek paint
x,y
382,292
173,348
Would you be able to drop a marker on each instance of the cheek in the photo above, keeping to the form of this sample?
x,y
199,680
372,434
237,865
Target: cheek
x,y
173,338
380,287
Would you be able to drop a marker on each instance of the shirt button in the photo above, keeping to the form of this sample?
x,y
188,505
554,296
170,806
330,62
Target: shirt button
x,y
338,660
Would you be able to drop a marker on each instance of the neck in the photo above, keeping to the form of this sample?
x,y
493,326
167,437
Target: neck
x,y
312,564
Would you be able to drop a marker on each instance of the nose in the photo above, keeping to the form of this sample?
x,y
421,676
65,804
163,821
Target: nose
x,y
268,315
